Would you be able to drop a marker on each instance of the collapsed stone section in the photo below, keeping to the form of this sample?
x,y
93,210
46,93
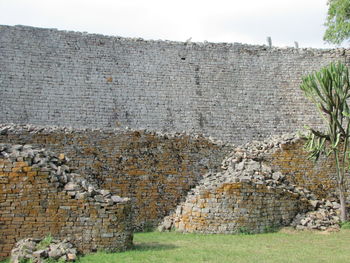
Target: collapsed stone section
x,y
155,170
251,196
41,250
39,195
319,178
324,215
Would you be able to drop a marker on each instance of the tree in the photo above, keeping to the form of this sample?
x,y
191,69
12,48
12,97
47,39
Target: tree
x,y
329,90
337,21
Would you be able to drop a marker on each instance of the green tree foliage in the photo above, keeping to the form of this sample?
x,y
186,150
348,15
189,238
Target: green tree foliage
x,y
337,21
329,90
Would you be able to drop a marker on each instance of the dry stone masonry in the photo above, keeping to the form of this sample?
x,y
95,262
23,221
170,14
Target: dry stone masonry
x,y
228,91
128,112
154,170
250,196
39,195
246,195
291,160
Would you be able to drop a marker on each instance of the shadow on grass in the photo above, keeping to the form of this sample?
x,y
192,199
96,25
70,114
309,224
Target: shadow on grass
x,y
152,246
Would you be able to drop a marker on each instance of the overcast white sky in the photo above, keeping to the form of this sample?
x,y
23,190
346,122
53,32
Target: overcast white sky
x,y
245,21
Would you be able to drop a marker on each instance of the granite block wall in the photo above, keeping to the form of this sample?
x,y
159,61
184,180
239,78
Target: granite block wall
x,y
240,207
232,92
37,198
154,170
248,195
319,177
262,185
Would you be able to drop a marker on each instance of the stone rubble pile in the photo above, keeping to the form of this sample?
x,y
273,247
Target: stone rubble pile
x,y
241,165
60,173
324,216
246,164
257,149
33,250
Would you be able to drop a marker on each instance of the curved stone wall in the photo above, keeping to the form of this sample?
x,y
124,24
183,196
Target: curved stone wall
x,y
39,195
238,207
232,92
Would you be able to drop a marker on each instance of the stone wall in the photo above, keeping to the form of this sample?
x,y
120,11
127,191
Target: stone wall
x,y
154,170
318,177
239,207
229,91
40,196
263,184
247,196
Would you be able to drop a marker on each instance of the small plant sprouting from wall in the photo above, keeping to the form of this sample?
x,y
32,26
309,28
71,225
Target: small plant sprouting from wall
x,y
45,242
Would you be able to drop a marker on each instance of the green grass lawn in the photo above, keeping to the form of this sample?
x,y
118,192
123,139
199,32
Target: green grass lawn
x,y
284,246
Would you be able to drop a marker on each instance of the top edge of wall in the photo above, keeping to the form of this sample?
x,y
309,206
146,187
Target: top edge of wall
x,y
10,128
188,44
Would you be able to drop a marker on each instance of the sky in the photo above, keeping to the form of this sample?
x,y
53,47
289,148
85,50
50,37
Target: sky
x,y
243,21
